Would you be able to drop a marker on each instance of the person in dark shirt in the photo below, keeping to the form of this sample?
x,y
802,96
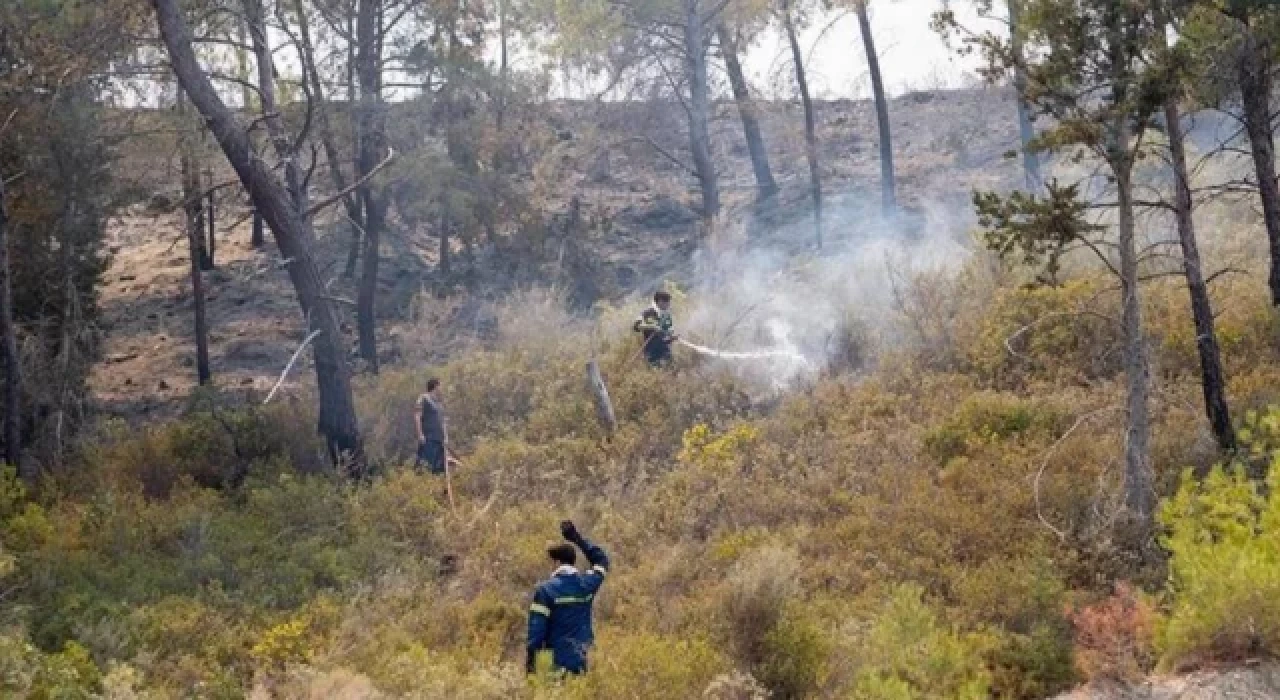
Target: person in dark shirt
x,y
657,328
560,616
433,436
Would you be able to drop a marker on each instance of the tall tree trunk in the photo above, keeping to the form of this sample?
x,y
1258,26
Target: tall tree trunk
x,y
1212,378
191,206
1254,75
9,349
888,186
211,218
357,219
372,122
766,186
810,126
1139,494
324,128
1026,130
695,50
285,212
504,68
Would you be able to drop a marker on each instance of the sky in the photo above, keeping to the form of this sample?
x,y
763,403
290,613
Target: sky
x,y
912,56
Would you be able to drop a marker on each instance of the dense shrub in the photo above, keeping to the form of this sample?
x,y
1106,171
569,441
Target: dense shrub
x,y
1224,569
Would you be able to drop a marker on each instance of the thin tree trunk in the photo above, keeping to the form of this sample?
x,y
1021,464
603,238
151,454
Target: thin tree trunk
x,y
357,218
324,128
1253,74
1026,130
191,206
211,219
372,147
766,186
1211,375
1139,495
695,49
504,68
889,197
9,349
259,237
285,212
810,126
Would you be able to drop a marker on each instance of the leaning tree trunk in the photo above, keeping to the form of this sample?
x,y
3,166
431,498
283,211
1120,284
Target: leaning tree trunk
x,y
695,50
286,213
1253,74
191,207
888,186
1026,130
766,186
9,350
810,126
1211,375
372,121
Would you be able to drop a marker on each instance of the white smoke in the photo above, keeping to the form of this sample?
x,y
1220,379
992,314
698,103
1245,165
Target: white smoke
x,y
775,310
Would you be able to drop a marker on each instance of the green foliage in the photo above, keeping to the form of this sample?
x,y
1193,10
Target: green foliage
x,y
1224,569
1034,230
910,653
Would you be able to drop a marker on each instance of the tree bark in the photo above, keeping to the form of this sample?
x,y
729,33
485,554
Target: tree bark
x,y
211,218
888,186
695,50
324,128
284,211
810,126
1212,378
766,186
258,238
372,141
9,349
357,220
191,205
1026,130
1254,76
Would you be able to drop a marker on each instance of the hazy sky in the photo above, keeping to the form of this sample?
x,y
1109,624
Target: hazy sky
x,y
912,56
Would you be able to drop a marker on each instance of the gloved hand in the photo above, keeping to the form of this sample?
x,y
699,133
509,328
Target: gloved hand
x,y
531,662
570,531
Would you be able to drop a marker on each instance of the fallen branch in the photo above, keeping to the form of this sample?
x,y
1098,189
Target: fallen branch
x,y
334,199
292,361
1035,484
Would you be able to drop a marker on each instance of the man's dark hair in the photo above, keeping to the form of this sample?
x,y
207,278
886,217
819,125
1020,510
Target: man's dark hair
x,y
432,383
662,296
563,553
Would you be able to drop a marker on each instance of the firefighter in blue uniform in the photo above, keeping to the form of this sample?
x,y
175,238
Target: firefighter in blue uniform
x,y
657,328
560,617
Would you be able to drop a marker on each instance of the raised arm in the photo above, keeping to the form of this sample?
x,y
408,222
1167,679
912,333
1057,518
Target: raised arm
x,y
596,556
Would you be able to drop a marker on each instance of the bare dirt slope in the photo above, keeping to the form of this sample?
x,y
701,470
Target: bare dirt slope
x,y
1260,682
947,144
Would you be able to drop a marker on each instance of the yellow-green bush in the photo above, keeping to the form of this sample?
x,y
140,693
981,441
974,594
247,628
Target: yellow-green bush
x,y
1224,569
909,653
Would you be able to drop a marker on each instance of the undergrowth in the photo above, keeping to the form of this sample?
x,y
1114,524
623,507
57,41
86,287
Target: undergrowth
x,y
926,530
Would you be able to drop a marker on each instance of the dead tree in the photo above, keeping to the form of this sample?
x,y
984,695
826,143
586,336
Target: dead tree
x,y
285,209
699,108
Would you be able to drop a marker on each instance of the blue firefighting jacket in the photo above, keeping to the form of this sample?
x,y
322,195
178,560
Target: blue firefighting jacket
x,y
560,617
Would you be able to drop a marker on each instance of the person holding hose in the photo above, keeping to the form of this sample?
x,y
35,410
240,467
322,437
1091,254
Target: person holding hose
x,y
560,616
657,328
